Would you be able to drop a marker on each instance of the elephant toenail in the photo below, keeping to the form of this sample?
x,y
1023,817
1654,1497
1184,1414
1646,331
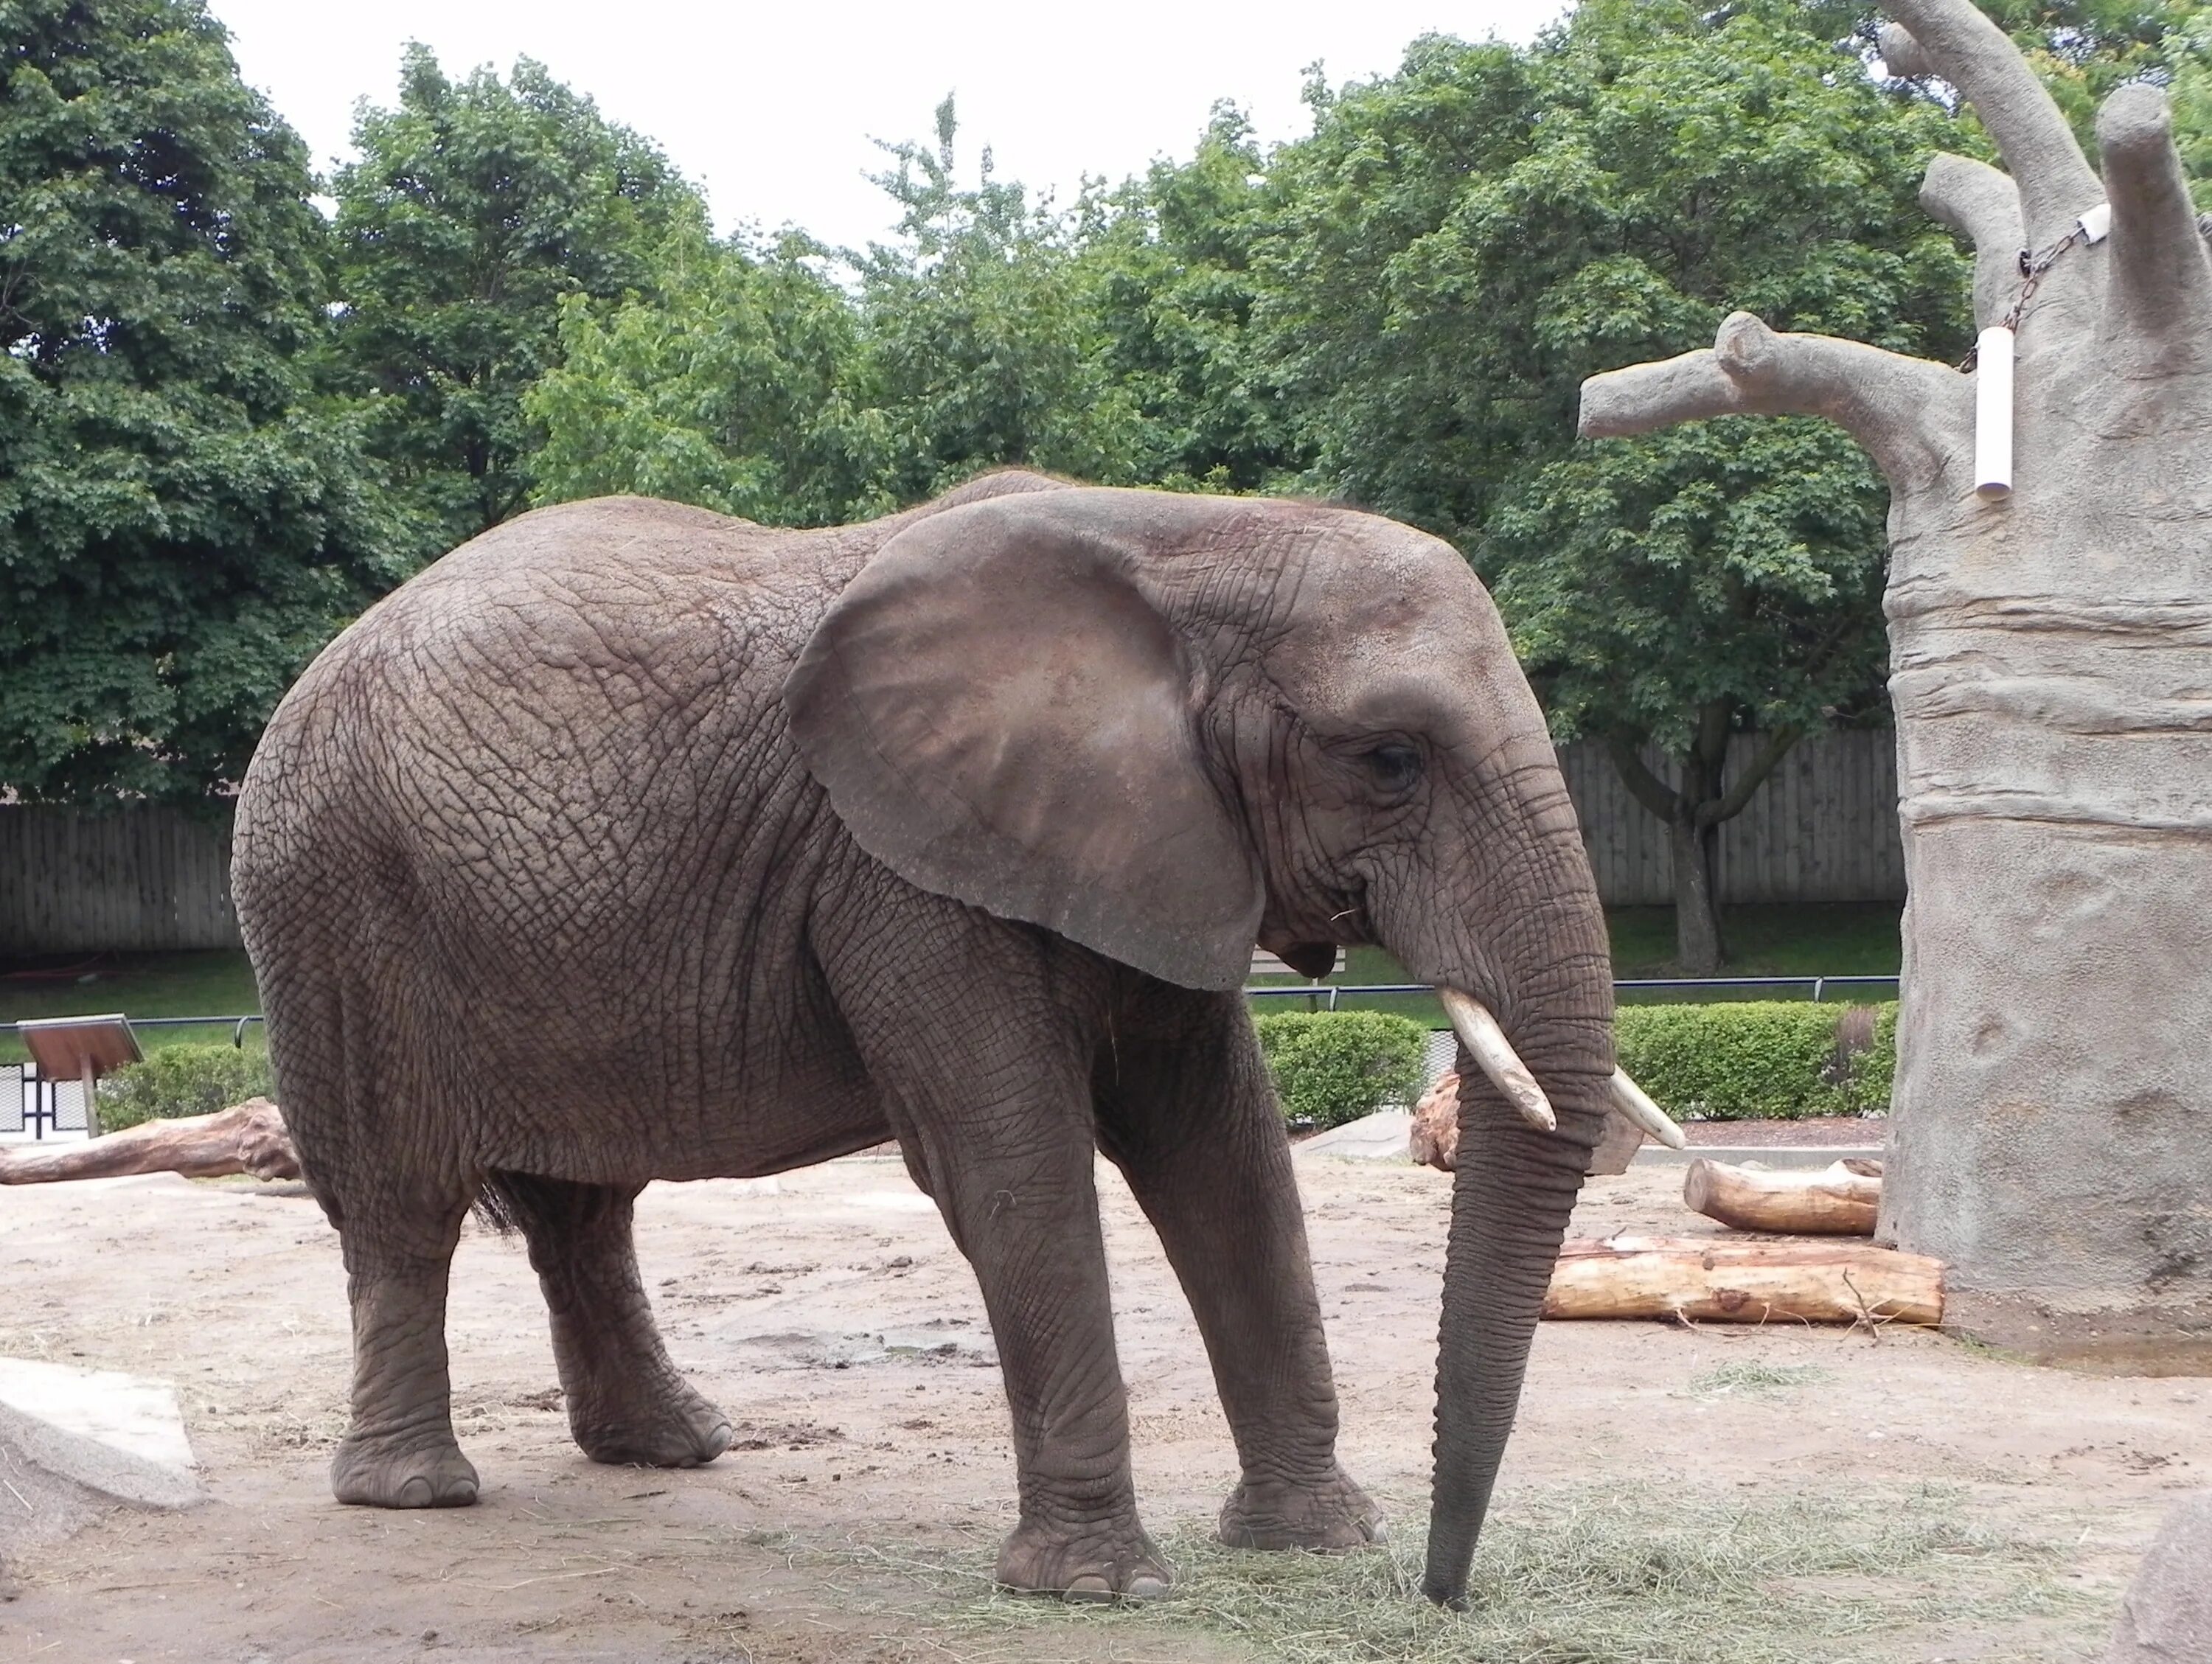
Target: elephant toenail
x,y
416,1493
1375,1531
717,1441
1090,1587
461,1493
1144,1587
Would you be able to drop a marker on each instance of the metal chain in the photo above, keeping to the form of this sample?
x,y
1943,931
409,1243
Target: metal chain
x,y
2032,268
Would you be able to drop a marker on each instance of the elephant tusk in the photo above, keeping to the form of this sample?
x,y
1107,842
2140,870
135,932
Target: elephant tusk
x,y
1633,1101
1486,1042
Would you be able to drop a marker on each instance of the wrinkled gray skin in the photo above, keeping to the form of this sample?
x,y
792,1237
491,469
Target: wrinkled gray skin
x,y
632,842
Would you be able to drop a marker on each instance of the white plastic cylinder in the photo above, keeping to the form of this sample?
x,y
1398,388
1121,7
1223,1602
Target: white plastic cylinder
x,y
1993,412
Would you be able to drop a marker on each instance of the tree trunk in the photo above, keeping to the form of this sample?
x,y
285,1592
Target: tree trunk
x,y
1715,1281
1699,948
246,1137
1838,1201
2050,558
1694,813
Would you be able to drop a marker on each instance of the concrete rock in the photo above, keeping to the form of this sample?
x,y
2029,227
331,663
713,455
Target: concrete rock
x,y
73,1441
2167,1617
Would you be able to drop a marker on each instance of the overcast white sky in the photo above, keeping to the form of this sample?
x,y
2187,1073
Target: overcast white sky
x,y
772,107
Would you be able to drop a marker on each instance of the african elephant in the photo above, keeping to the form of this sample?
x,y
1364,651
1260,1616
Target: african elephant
x,y
631,842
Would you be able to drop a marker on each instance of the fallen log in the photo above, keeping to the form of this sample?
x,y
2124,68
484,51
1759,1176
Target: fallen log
x,y
1839,1200
246,1137
1433,1139
1718,1281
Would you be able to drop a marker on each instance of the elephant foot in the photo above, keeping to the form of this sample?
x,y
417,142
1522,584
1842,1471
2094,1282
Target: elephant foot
x,y
1329,1517
1117,1562
676,1428
404,1471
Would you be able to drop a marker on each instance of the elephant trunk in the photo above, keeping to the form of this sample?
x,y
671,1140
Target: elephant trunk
x,y
1516,1183
1511,1194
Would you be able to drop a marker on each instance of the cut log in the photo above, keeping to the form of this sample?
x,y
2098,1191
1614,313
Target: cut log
x,y
1433,1140
1718,1281
1838,1201
246,1137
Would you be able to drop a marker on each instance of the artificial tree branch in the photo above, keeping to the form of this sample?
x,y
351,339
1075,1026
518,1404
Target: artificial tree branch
x,y
2161,280
1953,39
1911,415
1983,206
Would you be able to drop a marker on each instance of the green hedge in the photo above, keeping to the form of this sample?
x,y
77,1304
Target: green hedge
x,y
1754,1060
1330,1067
183,1080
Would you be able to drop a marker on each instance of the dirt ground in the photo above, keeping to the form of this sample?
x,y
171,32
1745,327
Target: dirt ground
x,y
830,1316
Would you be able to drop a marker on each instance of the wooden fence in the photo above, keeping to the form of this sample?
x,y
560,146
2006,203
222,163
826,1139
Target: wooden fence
x,y
138,878
1822,828
142,878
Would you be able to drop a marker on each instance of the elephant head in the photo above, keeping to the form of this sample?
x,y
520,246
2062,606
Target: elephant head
x,y
1167,727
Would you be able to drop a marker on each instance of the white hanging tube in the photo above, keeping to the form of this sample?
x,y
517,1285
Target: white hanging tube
x,y
1993,412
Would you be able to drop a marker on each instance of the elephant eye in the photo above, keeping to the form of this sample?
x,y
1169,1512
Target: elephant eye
x,y
1394,766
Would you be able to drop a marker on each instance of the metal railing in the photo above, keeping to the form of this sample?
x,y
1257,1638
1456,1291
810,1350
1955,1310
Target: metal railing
x,y
1819,986
1317,992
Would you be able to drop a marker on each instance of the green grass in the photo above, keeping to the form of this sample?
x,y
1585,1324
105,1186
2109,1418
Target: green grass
x,y
1839,938
1824,938
136,984
1753,1378
1617,1575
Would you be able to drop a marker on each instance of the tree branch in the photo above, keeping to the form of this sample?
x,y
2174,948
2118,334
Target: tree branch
x,y
2161,280
1911,415
1738,796
1983,206
1953,39
1646,788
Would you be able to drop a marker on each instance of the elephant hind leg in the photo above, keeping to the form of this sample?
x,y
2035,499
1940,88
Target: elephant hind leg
x,y
626,1404
399,1449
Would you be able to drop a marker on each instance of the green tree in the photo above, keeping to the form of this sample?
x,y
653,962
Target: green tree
x,y
735,390
1173,255
1469,239
475,209
182,520
984,345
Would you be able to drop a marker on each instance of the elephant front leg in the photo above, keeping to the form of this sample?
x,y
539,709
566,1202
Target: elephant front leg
x,y
399,1450
1188,1114
1027,1221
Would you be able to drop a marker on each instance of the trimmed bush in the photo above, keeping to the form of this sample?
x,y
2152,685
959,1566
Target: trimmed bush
x,y
183,1080
1754,1059
1331,1067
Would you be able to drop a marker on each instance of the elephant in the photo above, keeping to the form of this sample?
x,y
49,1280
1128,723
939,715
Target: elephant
x,y
631,842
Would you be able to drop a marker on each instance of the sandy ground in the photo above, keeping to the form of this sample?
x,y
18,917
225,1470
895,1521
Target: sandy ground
x,y
830,1316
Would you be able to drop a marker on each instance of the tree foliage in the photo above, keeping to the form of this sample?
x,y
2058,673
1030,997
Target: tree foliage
x,y
477,207
202,476
735,390
1472,237
184,518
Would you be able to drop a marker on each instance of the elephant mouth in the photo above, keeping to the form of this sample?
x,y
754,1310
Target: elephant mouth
x,y
1313,960
1485,1042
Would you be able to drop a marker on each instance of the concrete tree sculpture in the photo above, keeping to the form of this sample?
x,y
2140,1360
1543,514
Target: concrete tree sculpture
x,y
2050,635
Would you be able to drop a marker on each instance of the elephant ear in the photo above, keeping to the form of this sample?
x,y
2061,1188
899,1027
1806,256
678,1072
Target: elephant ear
x,y
1001,715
